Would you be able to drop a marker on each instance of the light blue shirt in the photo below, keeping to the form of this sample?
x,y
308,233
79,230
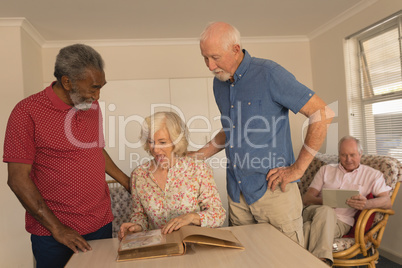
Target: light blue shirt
x,y
254,115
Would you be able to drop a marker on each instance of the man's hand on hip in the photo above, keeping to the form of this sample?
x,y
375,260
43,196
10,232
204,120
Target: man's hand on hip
x,y
282,176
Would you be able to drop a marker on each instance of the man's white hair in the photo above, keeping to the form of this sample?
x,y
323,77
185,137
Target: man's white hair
x,y
358,143
228,38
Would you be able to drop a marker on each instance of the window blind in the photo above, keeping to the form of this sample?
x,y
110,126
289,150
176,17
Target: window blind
x,y
374,87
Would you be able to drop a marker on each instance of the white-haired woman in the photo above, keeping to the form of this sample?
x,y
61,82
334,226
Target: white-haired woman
x,y
171,190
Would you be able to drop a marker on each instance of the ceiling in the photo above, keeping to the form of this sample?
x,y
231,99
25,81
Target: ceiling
x,y
58,20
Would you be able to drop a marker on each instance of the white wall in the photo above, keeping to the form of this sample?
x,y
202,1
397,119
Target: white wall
x,y
31,53
329,81
15,250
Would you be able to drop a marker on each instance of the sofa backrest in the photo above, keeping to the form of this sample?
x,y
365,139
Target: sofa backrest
x,y
389,166
121,205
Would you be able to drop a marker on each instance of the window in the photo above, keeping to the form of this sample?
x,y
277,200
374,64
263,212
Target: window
x,y
374,87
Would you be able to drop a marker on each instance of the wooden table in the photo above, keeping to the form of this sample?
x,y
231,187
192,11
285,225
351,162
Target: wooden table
x,y
264,246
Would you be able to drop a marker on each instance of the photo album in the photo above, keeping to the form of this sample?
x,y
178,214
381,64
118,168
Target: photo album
x,y
153,244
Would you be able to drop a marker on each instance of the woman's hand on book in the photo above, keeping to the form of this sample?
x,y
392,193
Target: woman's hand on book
x,y
129,227
182,220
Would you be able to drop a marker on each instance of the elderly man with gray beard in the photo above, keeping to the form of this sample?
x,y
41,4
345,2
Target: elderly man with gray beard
x,y
56,161
254,97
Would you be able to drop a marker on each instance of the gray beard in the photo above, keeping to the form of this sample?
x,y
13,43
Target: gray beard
x,y
78,102
222,76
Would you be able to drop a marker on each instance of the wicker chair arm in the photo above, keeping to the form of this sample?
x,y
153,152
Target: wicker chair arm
x,y
361,237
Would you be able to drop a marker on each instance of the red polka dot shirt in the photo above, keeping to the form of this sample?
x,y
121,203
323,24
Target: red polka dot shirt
x,y
64,146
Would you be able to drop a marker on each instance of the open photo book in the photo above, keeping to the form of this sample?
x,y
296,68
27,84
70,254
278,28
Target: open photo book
x,y
153,244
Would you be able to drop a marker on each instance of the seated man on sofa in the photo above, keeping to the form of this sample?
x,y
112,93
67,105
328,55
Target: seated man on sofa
x,y
322,223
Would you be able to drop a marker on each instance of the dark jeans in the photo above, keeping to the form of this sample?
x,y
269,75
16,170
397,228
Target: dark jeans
x,y
51,254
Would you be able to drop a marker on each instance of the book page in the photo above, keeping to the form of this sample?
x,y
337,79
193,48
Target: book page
x,y
150,244
142,239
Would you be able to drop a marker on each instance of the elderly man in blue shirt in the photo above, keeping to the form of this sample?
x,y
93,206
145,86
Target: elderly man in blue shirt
x,y
254,97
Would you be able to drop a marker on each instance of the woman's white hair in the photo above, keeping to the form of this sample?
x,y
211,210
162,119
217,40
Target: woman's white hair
x,y
229,38
175,126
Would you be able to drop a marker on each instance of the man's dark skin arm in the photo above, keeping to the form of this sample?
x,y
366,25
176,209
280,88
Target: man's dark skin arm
x,y
113,171
30,197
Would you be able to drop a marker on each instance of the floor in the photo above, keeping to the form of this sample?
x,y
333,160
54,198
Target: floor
x,y
386,263
383,263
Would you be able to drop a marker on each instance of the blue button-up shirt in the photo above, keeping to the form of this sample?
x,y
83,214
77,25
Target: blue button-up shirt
x,y
254,115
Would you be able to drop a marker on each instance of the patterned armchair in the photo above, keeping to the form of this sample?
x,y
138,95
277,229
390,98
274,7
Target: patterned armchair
x,y
121,205
362,249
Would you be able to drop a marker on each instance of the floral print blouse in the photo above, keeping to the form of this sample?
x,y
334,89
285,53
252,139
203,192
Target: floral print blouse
x,y
190,187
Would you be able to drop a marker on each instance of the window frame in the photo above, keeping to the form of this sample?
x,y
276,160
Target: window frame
x,y
355,71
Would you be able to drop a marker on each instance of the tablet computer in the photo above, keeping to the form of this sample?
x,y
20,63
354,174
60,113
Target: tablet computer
x,y
336,198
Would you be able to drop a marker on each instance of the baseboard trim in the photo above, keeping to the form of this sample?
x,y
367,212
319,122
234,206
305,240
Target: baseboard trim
x,y
393,256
